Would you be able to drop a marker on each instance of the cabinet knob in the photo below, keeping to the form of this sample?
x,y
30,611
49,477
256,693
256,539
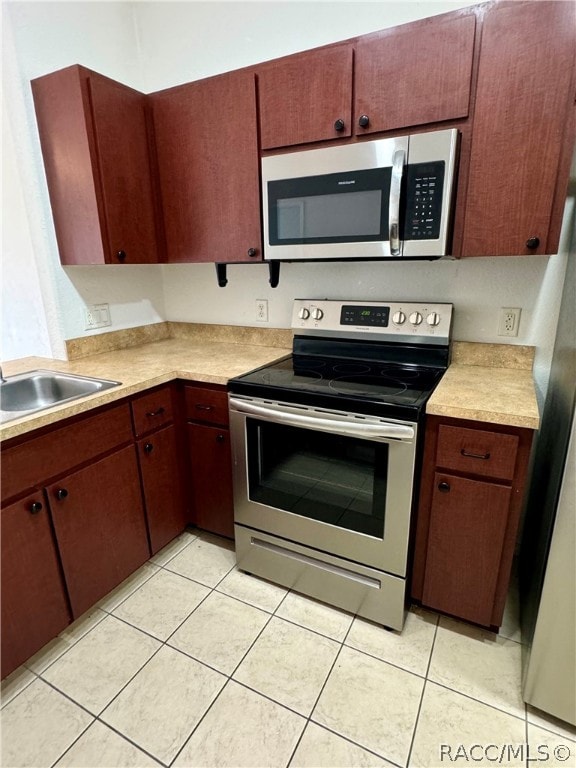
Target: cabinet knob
x,y
532,242
220,438
35,507
61,493
443,486
252,252
148,447
363,121
121,255
157,412
339,124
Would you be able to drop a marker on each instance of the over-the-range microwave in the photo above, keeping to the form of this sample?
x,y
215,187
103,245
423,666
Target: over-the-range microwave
x,y
388,198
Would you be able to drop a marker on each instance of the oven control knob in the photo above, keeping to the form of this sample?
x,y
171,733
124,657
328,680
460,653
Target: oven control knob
x,y
433,319
317,314
304,314
415,318
399,318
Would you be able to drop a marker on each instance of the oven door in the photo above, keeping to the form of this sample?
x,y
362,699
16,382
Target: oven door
x,y
336,482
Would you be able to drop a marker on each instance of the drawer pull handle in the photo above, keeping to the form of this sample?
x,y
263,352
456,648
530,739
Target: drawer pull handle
x,y
159,412
444,486
200,407
475,455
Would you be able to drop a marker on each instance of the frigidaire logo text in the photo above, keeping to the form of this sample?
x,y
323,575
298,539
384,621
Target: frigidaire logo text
x,y
351,181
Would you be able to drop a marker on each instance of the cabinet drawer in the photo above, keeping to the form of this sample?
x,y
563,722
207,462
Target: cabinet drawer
x,y
36,461
477,452
152,410
208,405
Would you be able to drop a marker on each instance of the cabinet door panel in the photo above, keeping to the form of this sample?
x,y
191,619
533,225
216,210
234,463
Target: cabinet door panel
x,y
207,145
34,604
211,470
123,156
417,74
160,468
302,97
466,536
100,527
518,126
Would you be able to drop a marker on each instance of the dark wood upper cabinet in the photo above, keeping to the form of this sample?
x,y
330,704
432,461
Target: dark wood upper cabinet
x,y
96,146
524,97
306,97
207,142
415,74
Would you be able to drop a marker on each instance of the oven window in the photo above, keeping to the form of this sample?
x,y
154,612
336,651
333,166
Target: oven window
x,y
334,479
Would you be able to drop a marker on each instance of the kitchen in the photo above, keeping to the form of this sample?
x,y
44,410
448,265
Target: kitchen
x,y
46,303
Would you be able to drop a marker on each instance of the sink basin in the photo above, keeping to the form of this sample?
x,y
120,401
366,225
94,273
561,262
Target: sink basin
x,y
36,390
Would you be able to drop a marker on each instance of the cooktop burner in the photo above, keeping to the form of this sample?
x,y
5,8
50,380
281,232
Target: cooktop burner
x,y
373,380
386,362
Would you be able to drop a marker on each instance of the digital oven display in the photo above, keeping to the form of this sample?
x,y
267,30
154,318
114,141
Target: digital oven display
x,y
371,316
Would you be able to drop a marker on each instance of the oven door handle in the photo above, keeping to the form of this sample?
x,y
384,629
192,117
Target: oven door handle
x,y
340,427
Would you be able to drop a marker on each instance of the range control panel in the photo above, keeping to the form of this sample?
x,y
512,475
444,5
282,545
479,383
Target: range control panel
x,y
412,321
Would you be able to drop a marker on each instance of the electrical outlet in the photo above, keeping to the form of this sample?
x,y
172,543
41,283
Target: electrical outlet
x,y
509,321
97,316
262,310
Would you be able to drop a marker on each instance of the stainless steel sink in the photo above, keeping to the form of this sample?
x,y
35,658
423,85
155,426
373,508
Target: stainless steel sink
x,y
36,390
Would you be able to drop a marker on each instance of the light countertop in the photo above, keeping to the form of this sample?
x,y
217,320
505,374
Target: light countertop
x,y
479,385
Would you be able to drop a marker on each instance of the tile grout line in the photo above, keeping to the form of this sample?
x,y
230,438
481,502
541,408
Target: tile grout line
x,y
409,756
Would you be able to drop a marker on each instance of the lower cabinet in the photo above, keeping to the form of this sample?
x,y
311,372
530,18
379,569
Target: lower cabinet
x,y
211,469
34,603
100,527
210,459
471,495
162,483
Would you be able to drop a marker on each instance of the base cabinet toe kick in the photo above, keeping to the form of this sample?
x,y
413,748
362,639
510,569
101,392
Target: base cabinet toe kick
x,y
370,593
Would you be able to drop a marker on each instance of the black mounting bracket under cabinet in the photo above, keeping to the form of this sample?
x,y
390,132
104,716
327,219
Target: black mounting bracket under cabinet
x,y
273,267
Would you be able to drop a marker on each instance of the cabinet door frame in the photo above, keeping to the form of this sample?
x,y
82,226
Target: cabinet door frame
x,y
208,162
33,615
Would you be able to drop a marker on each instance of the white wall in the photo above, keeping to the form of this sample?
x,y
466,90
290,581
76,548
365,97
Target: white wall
x,y
40,37
153,45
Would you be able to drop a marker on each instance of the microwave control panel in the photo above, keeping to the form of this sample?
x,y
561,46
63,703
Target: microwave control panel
x,y
424,187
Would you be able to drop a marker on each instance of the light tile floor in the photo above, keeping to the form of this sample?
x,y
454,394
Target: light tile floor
x,y
191,663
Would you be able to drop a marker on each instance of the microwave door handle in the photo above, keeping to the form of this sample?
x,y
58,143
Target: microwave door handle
x,y
394,201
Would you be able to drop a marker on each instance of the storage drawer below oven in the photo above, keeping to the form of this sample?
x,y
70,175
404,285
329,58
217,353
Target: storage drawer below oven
x,y
369,593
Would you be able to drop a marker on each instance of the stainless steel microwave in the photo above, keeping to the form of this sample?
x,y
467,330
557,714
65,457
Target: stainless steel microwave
x,y
389,198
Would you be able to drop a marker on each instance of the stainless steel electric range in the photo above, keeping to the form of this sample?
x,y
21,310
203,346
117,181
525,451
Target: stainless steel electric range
x,y
326,449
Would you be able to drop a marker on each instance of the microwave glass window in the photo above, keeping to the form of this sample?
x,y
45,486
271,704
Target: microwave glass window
x,y
332,208
337,480
345,214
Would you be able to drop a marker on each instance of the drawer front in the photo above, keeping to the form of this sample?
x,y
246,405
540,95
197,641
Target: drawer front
x,y
477,452
152,410
207,405
35,461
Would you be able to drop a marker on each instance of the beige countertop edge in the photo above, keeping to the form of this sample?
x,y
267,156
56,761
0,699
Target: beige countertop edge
x,y
509,398
133,382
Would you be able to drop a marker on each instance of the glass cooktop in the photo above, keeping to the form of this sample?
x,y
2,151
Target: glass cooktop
x,y
359,385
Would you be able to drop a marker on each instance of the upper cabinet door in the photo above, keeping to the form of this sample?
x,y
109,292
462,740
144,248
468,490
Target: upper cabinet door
x,y
96,154
524,92
306,97
415,74
121,135
206,136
